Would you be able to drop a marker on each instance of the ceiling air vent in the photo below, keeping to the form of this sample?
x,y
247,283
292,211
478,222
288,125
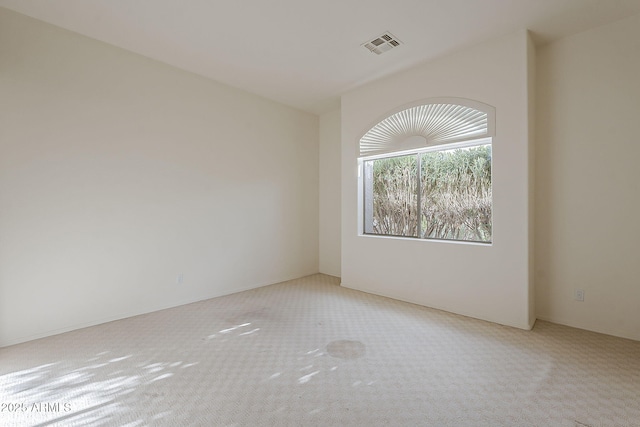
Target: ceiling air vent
x,y
381,44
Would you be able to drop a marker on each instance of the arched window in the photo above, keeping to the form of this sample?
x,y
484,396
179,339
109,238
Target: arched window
x,y
427,172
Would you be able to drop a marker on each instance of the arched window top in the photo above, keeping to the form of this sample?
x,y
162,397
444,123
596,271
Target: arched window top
x,y
427,123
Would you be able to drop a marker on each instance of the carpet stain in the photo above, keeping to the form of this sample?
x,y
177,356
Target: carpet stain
x,y
346,349
252,314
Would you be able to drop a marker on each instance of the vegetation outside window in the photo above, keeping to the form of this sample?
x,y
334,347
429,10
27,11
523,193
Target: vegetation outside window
x,y
431,184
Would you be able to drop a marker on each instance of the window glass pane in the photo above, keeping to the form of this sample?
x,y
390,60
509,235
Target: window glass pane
x,y
391,196
456,194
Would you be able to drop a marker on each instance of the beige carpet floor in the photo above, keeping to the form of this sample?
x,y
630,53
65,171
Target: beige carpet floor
x,y
310,353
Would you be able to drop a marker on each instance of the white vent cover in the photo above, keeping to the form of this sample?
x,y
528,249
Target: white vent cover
x,y
381,44
427,125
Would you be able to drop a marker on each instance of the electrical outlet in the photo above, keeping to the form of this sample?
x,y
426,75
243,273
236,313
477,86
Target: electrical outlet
x,y
578,295
179,279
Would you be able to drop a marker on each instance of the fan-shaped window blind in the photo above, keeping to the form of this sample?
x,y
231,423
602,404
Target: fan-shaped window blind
x,y
428,124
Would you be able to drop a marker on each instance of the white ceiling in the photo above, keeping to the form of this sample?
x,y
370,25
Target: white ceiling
x,y
307,53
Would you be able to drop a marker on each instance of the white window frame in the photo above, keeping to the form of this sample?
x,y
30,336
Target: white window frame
x,y
480,136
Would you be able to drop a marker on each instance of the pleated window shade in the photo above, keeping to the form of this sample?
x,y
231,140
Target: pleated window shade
x,y
426,125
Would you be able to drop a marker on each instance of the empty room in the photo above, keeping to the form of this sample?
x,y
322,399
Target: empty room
x,y
343,213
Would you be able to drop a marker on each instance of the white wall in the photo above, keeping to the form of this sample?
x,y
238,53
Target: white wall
x,y
487,282
330,165
531,95
588,180
118,172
